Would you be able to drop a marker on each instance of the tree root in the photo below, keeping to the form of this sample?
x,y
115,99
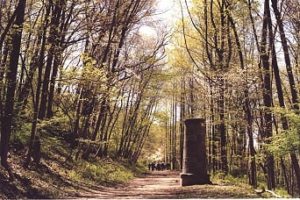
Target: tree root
x,y
261,191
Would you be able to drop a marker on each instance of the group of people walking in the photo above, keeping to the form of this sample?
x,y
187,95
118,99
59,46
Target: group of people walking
x,y
160,166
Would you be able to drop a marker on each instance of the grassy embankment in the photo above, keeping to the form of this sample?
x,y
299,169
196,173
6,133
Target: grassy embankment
x,y
241,182
57,175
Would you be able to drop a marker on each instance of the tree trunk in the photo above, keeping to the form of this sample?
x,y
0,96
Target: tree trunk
x,y
6,125
34,142
182,118
291,78
267,96
53,42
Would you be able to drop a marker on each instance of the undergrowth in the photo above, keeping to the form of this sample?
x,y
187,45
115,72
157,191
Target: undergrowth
x,y
242,181
101,172
59,173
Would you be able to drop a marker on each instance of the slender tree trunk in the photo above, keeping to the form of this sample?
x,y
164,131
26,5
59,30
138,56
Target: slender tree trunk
x,y
53,42
182,118
58,60
293,88
34,142
6,125
267,96
223,129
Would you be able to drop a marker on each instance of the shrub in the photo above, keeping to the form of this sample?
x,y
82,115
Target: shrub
x,y
102,173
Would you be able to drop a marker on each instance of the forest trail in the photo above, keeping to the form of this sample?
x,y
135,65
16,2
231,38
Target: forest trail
x,y
165,185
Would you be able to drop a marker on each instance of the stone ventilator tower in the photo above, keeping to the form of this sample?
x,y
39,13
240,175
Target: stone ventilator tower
x,y
194,170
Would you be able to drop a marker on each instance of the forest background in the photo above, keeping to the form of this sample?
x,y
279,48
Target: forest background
x,y
89,83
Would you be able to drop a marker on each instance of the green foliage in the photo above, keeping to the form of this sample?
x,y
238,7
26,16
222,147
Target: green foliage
x,y
21,136
237,172
90,73
242,181
53,146
101,172
282,192
138,168
58,124
224,179
286,140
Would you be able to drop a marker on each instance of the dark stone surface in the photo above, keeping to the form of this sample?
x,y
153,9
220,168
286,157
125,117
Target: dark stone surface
x,y
194,170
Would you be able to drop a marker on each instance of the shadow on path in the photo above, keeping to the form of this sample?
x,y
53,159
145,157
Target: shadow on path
x,y
166,184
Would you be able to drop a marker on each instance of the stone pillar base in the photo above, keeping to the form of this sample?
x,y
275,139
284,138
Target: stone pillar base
x,y
188,179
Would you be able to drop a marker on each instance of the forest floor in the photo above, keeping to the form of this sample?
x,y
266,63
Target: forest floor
x,y
55,177
155,185
165,185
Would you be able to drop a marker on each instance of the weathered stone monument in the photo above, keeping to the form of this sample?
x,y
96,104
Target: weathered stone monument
x,y
194,171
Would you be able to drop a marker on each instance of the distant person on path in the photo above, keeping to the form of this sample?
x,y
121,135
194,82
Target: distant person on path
x,y
149,166
152,166
158,167
163,166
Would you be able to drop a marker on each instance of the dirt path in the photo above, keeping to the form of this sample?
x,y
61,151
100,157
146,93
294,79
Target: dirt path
x,y
165,185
